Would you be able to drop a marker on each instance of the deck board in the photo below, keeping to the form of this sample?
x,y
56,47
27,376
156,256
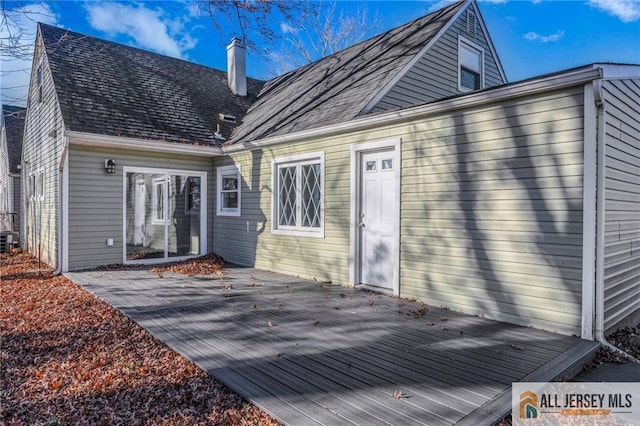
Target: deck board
x,y
313,353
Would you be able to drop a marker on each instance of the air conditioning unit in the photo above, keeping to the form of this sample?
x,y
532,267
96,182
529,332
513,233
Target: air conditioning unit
x,y
8,240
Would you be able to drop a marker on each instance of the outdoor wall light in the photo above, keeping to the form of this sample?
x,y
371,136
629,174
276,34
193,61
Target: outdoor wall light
x,y
110,166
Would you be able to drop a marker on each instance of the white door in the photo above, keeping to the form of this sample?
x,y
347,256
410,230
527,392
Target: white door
x,y
377,216
139,212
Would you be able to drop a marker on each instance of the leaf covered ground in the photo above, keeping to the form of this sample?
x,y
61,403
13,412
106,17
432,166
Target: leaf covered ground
x,y
69,358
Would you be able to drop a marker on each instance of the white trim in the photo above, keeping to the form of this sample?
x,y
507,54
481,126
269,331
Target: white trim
x,y
117,142
615,71
589,203
65,213
220,173
203,211
473,99
385,90
471,46
155,183
354,249
600,211
310,157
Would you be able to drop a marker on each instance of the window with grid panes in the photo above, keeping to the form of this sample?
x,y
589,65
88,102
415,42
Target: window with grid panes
x,y
299,195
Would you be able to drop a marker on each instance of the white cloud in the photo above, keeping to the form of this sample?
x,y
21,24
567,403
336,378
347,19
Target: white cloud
x,y
287,28
150,29
625,10
440,4
15,72
533,36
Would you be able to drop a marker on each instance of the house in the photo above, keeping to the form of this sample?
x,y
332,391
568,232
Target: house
x,y
10,151
405,164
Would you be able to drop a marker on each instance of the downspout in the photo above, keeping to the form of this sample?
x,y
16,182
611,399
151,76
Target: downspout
x,y
63,157
600,222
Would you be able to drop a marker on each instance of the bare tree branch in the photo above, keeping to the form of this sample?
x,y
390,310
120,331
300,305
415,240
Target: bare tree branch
x,y
252,20
325,31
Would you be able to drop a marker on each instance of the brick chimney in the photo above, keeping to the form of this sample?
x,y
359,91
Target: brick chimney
x,y
237,68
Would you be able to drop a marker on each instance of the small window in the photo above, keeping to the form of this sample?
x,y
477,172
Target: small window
x,y
470,62
371,166
32,186
229,191
193,195
157,200
39,82
40,186
298,201
36,186
387,164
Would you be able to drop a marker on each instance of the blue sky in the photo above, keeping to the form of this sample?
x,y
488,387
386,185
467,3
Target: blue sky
x,y
532,37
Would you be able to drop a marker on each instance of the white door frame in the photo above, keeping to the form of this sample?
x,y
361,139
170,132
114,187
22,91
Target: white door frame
x,y
354,245
203,211
139,212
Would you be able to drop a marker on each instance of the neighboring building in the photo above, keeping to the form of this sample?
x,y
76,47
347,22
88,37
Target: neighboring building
x,y
405,164
10,151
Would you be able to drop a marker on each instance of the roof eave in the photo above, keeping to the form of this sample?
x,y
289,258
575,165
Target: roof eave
x,y
500,93
119,142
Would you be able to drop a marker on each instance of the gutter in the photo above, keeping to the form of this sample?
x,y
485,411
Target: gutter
x,y
600,223
490,95
119,142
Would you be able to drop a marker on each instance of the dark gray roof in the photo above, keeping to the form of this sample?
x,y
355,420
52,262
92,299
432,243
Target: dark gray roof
x,y
338,88
13,121
112,89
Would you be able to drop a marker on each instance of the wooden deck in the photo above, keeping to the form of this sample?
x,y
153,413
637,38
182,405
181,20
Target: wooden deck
x,y
312,353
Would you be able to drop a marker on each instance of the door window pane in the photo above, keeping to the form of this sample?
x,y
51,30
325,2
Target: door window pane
x,y
157,224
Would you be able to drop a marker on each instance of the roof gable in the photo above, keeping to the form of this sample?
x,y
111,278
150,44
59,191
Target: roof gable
x,y
434,72
13,119
339,87
108,88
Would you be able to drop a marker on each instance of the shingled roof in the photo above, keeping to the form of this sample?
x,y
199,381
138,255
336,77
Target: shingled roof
x,y
111,89
13,119
339,87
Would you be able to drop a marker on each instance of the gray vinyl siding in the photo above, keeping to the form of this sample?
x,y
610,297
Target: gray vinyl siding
x,y
435,74
96,200
42,152
491,210
15,191
247,239
5,184
622,200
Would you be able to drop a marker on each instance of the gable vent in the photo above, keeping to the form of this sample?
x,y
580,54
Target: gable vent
x,y
471,24
227,118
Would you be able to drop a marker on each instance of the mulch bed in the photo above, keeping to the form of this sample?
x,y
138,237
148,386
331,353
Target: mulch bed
x,y
69,358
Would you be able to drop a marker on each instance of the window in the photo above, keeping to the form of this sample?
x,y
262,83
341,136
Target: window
x,y
298,202
36,186
39,81
32,186
157,200
229,195
193,195
40,186
470,60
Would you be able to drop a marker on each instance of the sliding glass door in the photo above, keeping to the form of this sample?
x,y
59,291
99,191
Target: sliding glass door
x,y
164,214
